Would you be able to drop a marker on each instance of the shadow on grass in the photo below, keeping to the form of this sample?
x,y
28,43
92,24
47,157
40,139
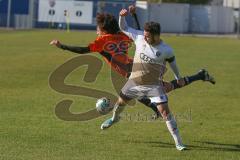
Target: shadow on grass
x,y
209,146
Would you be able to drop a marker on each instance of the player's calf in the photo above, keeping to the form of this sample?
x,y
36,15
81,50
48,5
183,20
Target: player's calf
x,y
171,125
147,102
203,75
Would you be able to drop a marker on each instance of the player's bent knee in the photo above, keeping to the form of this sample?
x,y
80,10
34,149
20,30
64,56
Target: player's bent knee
x,y
121,101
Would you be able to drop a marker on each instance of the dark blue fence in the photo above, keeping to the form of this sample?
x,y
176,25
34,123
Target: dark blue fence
x,y
17,7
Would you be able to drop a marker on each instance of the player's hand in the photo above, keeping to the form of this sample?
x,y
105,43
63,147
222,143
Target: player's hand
x,y
56,43
132,9
123,13
181,82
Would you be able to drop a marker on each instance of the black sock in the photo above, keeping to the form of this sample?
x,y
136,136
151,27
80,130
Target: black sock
x,y
193,78
147,102
188,80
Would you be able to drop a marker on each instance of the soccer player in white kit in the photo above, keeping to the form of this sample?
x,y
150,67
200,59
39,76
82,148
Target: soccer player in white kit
x,y
149,66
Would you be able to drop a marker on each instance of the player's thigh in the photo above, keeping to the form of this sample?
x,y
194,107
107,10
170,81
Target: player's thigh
x,y
158,95
162,104
128,91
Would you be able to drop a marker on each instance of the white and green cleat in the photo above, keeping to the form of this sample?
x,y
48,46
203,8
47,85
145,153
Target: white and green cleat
x,y
106,124
181,147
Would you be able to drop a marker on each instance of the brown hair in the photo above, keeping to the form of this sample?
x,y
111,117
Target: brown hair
x,y
153,28
107,22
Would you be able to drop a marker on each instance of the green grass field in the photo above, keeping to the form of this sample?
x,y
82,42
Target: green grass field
x,y
208,116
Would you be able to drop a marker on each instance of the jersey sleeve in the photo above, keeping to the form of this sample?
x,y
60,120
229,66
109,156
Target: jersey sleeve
x,y
169,53
130,32
97,45
170,58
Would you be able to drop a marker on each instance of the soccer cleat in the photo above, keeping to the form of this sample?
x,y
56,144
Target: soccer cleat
x,y
206,76
181,147
108,123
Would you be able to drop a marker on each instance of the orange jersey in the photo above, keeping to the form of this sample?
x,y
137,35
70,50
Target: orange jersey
x,y
114,49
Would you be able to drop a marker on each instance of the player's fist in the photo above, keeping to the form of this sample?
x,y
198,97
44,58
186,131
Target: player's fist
x,y
123,13
55,42
132,9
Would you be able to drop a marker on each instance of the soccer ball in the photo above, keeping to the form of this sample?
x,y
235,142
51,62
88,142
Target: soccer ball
x,y
103,105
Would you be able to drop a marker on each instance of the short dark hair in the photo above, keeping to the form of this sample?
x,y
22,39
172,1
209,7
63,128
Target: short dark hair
x,y
153,28
108,23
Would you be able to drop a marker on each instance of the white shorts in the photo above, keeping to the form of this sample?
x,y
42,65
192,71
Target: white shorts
x,y
155,92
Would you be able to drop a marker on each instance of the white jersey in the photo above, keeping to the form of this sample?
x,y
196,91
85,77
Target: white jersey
x,y
149,63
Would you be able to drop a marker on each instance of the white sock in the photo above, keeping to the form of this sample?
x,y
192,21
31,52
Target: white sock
x,y
116,112
172,127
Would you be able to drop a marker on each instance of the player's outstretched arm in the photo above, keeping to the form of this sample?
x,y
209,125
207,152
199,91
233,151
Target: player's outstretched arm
x,y
130,32
122,22
75,49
